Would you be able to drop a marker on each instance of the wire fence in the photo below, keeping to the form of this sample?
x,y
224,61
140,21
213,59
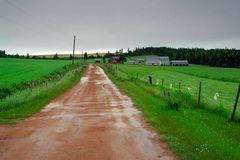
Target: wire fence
x,y
202,92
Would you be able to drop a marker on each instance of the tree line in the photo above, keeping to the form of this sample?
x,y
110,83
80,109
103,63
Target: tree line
x,y
54,57
213,57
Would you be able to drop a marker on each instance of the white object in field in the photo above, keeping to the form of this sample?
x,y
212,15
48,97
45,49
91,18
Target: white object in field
x,y
171,85
216,96
157,83
189,88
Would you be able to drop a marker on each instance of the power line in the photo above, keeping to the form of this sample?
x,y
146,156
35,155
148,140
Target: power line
x,y
18,8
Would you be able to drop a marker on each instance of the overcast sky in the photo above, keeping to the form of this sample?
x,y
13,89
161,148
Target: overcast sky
x,y
48,26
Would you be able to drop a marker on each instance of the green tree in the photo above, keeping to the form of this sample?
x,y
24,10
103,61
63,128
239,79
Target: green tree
x,y
85,55
104,59
55,56
70,57
122,58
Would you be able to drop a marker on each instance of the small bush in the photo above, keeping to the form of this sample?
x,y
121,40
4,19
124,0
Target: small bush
x,y
174,104
4,92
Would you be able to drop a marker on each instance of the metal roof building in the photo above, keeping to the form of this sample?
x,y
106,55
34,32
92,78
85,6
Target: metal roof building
x,y
179,63
163,61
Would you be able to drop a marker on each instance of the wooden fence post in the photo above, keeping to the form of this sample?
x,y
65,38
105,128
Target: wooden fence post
x,y
150,79
236,103
199,93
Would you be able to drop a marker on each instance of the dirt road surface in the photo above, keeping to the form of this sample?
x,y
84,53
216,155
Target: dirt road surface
x,y
91,121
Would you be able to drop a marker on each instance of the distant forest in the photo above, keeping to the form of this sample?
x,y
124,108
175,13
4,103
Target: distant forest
x,y
212,57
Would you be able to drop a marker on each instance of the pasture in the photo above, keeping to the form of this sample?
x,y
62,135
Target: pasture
x,y
52,78
14,71
219,85
192,131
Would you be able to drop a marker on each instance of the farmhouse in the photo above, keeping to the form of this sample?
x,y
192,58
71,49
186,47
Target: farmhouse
x,y
114,60
163,61
179,63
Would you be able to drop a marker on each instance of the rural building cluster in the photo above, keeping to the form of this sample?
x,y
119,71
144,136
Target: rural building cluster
x,y
160,61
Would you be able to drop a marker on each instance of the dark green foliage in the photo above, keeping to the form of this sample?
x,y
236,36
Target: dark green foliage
x,y
104,59
70,57
85,55
108,55
2,53
4,92
174,104
55,56
97,55
122,58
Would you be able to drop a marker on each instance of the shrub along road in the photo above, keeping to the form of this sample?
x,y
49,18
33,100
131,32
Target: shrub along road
x,y
93,120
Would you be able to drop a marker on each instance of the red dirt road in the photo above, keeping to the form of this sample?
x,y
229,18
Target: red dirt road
x,y
91,121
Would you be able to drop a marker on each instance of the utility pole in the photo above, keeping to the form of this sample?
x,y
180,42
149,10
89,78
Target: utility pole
x,y
74,39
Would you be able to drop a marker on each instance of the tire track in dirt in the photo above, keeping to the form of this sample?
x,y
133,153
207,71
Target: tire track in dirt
x,y
91,121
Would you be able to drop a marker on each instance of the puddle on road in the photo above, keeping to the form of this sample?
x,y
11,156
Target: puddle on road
x,y
84,80
50,106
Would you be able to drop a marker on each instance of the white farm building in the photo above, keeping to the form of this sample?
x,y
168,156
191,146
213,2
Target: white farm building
x,y
162,61
179,63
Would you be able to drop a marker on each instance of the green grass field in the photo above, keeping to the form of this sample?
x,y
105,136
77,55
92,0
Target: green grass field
x,y
215,73
214,80
21,70
22,103
192,132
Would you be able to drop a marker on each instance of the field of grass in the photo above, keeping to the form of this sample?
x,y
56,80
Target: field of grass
x,y
21,70
215,73
221,81
25,102
192,132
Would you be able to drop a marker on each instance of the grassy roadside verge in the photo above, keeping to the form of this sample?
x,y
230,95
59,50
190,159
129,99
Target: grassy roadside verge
x,y
191,133
25,103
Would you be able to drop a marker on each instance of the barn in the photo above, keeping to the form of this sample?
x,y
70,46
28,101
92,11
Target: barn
x,y
163,61
179,63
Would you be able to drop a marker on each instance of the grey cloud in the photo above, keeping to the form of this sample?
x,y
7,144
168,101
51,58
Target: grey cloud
x,y
48,25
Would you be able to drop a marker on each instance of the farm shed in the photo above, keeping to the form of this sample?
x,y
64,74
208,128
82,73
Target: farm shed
x,y
131,62
163,61
114,60
179,63
136,61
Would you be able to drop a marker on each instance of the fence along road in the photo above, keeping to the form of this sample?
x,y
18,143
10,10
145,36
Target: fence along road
x,y
93,120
